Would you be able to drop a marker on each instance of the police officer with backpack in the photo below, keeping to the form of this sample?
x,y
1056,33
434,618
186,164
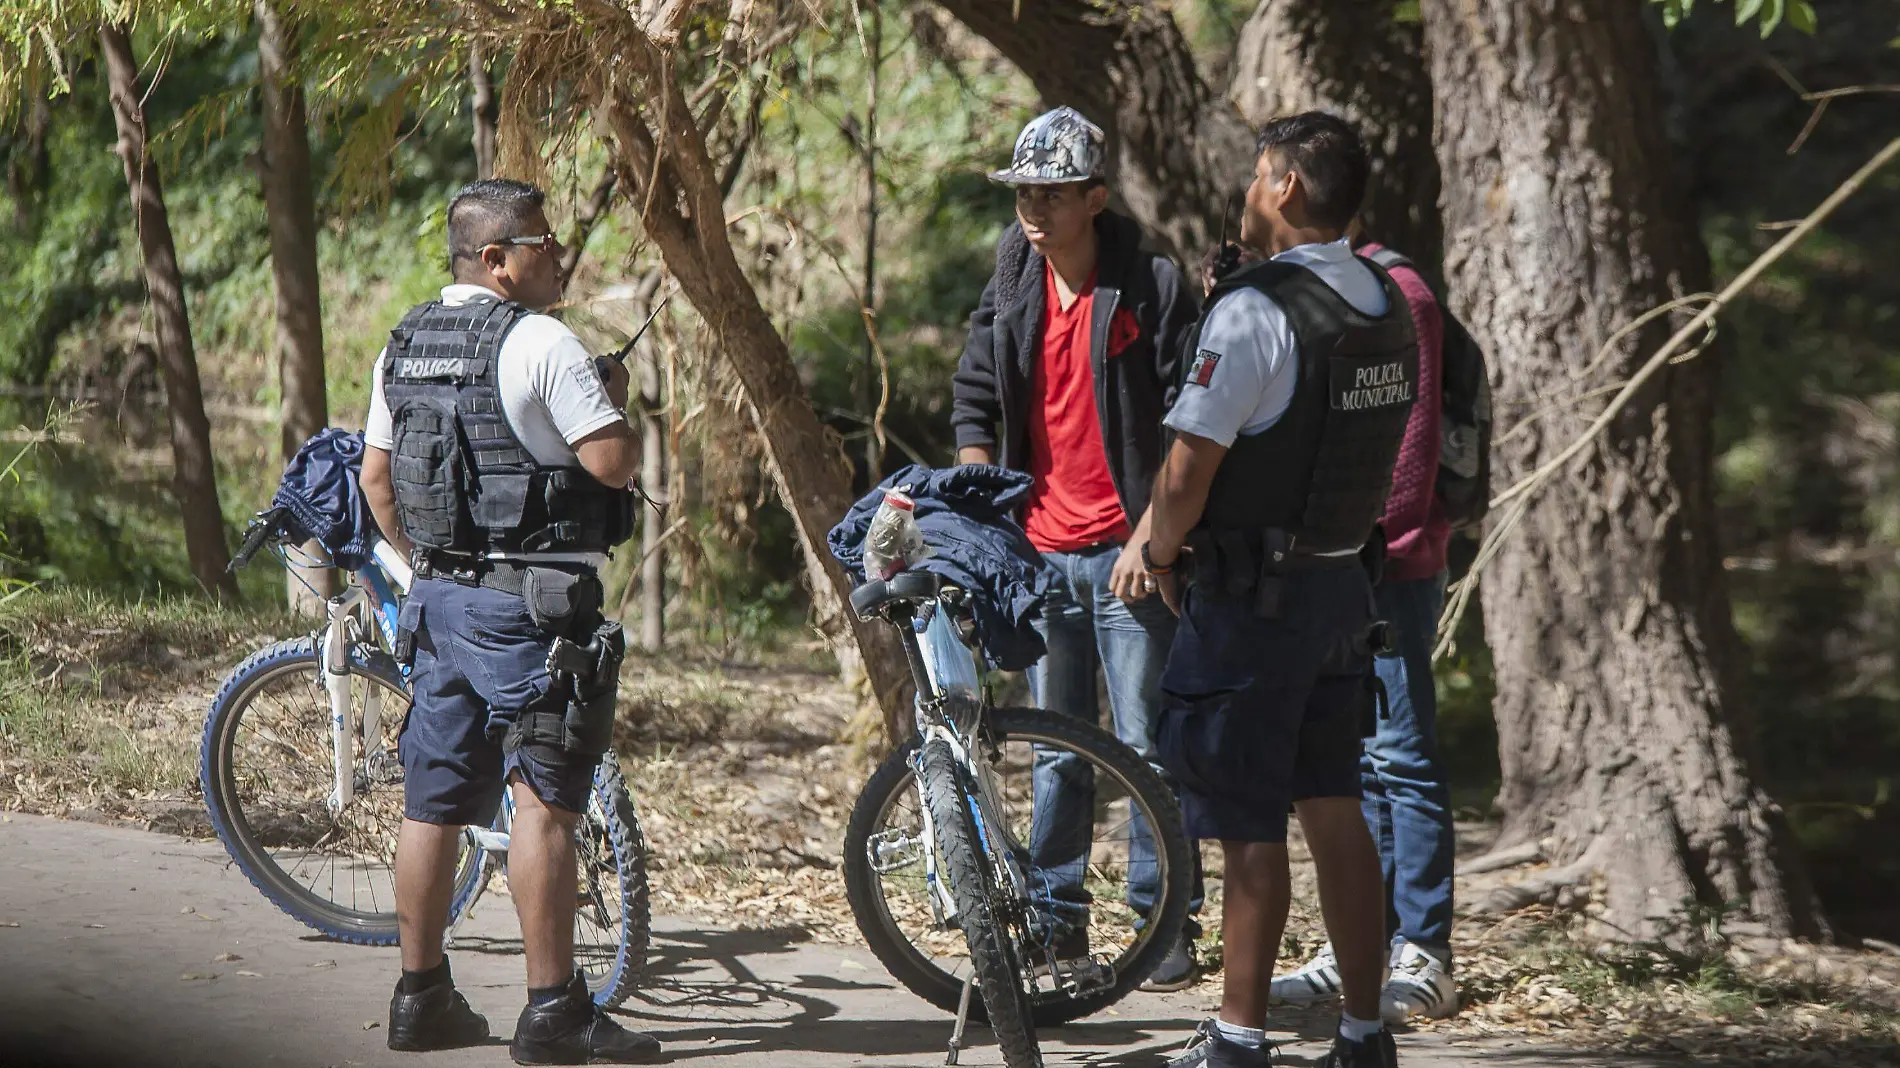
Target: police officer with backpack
x,y
1264,537
498,455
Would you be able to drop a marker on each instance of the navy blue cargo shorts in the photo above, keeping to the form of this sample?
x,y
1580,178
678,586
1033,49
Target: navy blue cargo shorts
x,y
1257,714
480,662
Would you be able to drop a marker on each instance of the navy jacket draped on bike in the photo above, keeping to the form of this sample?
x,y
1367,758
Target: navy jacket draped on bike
x,y
967,515
321,500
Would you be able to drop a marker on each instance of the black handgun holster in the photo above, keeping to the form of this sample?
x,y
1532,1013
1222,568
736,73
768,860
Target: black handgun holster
x,y
583,663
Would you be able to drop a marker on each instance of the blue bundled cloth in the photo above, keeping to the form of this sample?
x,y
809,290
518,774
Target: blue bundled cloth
x,y
321,500
967,515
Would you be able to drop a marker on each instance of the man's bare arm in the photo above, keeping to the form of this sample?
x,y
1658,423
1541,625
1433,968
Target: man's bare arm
x,y
610,454
379,489
1180,494
974,454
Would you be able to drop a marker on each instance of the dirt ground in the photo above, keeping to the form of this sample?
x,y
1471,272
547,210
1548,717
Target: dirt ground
x,y
744,790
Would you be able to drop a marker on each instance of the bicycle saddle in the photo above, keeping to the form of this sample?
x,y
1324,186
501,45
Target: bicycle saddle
x,y
911,586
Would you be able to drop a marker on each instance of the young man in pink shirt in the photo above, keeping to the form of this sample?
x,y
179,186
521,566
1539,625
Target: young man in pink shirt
x,y
1406,801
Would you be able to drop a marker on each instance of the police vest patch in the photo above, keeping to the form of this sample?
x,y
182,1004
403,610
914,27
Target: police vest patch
x,y
1202,371
1368,383
423,367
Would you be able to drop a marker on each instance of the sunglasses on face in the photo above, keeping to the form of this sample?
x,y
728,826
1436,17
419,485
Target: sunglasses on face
x,y
543,242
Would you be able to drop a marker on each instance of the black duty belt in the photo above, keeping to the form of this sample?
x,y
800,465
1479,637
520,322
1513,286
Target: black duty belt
x,y
1253,563
507,576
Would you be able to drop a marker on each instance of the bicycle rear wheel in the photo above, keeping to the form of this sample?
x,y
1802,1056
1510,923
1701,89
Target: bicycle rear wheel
x,y
966,870
884,869
612,919
265,766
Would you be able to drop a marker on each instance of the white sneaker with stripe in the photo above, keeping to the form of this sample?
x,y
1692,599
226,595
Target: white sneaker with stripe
x,y
1419,985
1316,980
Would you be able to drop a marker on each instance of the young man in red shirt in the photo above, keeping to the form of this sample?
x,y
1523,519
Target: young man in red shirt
x,y
1067,373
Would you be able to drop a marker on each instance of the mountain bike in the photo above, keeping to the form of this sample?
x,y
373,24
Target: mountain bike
x,y
300,773
952,834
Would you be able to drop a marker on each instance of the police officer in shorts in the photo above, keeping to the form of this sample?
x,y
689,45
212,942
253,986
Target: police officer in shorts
x,y
1289,420
499,457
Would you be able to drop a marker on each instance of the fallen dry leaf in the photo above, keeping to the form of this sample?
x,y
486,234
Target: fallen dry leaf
x,y
225,958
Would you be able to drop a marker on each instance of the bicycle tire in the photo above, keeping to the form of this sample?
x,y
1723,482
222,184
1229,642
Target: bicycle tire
x,y
217,776
616,825
965,868
918,973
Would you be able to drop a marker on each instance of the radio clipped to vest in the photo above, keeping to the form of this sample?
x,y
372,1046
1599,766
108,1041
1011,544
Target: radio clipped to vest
x,y
464,481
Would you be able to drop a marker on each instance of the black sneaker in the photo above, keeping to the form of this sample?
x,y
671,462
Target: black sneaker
x,y
435,1018
1179,969
574,1030
1375,1052
1207,1049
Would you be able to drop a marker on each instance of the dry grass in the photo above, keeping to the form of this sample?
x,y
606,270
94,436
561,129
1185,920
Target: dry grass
x,y
744,791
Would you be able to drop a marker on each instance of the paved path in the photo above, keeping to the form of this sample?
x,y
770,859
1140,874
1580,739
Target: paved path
x,y
127,948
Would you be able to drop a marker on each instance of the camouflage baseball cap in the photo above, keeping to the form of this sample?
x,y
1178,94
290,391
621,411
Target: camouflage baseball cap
x,y
1056,147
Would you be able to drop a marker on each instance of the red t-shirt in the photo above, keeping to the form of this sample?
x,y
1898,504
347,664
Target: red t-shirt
x,y
1073,504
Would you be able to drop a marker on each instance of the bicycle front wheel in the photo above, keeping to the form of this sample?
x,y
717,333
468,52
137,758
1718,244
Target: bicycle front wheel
x,y
966,870
1125,858
266,769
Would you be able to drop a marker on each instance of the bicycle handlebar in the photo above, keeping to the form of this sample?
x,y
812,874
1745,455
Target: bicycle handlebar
x,y
263,528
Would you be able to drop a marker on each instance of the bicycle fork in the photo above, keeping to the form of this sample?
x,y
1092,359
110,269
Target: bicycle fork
x,y
336,682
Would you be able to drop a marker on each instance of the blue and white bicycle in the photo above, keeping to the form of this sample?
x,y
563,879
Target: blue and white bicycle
x,y
300,772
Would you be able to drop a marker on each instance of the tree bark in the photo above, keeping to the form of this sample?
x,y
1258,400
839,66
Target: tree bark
x,y
193,479
665,167
290,205
1620,737
585,220
484,110
653,474
1355,59
1179,152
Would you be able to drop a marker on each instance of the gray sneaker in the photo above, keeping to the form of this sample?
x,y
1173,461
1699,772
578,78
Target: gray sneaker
x,y
1207,1049
1179,969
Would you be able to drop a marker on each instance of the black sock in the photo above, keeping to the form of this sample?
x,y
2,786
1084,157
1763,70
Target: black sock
x,y
543,995
417,982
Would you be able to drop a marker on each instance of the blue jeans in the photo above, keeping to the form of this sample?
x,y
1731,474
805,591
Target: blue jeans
x,y
1087,625
1407,804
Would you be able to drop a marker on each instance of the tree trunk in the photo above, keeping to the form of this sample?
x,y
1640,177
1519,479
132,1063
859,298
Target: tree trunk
x,y
484,109
665,167
193,480
585,220
1619,732
1180,152
290,206
1355,59
653,473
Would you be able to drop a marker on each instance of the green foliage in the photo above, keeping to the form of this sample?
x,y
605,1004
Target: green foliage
x,y
1768,14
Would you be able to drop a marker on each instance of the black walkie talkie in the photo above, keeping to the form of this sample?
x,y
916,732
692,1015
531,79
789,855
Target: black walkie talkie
x,y
620,356
1227,258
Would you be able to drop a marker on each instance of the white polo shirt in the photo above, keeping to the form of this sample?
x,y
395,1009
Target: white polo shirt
x,y
1247,364
551,396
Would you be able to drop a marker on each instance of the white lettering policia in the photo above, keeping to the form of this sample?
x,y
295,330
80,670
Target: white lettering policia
x,y
1377,387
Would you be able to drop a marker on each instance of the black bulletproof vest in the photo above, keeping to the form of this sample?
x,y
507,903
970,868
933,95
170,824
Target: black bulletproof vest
x,y
464,482
1322,472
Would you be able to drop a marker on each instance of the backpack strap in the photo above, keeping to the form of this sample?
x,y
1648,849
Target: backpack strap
x,y
1388,259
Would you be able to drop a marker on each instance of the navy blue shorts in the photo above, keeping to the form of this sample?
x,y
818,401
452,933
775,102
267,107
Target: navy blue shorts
x,y
1257,714
480,662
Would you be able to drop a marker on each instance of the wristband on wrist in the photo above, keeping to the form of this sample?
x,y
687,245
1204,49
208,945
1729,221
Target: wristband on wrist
x,y
1148,563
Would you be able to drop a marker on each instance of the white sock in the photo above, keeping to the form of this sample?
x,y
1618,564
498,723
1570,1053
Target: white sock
x,y
1353,1029
1251,1037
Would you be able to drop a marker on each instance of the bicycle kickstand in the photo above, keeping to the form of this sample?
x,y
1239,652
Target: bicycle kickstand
x,y
963,1018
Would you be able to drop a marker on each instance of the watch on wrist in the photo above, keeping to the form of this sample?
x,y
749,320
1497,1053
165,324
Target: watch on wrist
x,y
1148,562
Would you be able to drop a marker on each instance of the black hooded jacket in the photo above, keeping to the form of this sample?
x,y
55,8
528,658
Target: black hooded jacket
x,y
994,383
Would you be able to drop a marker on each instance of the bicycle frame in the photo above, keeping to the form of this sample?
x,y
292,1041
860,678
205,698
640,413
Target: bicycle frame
x,y
950,709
